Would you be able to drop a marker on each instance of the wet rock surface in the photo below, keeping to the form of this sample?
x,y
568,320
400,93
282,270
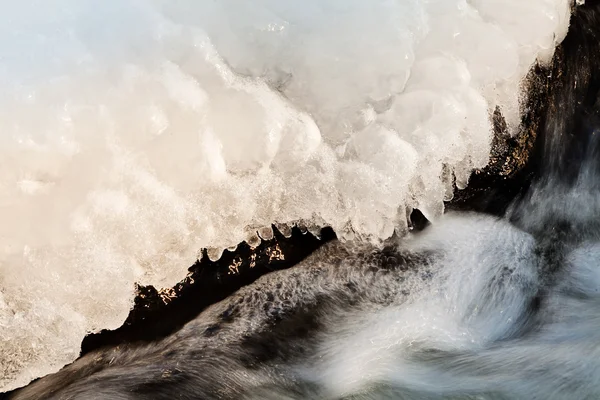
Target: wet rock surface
x,y
157,313
513,158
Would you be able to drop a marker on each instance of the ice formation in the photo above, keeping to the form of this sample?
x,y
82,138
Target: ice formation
x,y
134,133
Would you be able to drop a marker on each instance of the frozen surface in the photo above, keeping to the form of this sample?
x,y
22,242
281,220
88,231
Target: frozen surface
x,y
134,133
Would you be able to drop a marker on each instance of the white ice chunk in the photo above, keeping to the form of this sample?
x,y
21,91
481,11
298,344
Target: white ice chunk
x,y
135,133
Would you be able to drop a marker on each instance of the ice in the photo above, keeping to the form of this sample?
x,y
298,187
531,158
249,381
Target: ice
x,y
133,134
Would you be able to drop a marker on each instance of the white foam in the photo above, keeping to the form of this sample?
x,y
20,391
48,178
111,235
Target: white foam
x,y
462,308
134,133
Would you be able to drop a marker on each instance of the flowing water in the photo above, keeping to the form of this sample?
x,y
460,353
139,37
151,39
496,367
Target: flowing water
x,y
474,307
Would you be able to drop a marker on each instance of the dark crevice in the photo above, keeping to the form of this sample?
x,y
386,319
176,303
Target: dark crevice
x,y
157,314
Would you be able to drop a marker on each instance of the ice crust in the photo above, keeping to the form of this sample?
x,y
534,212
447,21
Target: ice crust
x,y
135,133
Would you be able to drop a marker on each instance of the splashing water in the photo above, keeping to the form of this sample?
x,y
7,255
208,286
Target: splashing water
x,y
474,307
134,133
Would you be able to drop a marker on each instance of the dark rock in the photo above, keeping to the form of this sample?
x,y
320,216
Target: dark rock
x,y
509,172
157,313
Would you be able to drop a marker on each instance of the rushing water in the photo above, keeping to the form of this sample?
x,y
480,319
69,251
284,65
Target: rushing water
x,y
473,307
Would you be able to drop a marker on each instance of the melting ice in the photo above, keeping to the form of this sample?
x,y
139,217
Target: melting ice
x,y
134,133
